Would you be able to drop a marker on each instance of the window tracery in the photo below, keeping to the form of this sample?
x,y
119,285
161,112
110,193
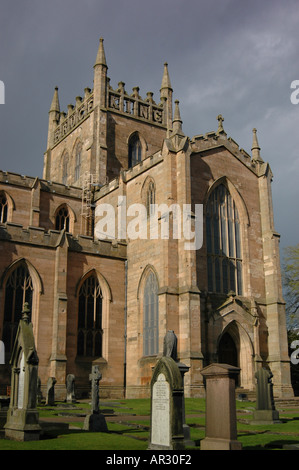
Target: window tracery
x,y
223,243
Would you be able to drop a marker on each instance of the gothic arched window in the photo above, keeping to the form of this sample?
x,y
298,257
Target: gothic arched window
x,y
78,161
150,198
89,340
135,150
65,165
3,208
223,243
18,290
62,219
151,316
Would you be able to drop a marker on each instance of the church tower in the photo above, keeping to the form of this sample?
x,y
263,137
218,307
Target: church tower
x,y
107,129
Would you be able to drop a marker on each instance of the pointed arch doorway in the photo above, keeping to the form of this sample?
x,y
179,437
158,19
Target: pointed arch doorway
x,y
228,353
235,348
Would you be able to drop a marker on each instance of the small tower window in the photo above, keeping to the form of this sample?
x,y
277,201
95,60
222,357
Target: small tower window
x,y
150,199
134,150
62,219
3,208
78,161
65,164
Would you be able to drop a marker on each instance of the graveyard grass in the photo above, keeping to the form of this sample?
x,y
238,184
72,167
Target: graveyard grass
x,y
129,429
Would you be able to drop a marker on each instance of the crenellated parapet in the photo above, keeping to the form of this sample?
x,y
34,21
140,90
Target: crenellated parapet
x,y
76,114
134,106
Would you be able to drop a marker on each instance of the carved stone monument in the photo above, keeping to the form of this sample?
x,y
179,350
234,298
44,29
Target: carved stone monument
x,y
70,389
95,421
167,397
221,418
170,350
50,398
265,412
22,416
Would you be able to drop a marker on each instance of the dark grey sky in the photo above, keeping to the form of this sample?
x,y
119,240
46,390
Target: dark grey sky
x,y
231,57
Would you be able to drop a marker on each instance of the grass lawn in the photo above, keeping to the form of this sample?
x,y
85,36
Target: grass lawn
x,y
129,429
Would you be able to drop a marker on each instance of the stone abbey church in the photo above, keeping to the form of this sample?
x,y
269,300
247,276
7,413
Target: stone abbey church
x,y
110,300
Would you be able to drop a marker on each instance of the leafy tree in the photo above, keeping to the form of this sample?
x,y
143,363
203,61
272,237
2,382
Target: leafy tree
x,y
291,285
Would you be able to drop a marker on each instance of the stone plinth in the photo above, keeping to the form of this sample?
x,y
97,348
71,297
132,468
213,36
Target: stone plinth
x,y
221,419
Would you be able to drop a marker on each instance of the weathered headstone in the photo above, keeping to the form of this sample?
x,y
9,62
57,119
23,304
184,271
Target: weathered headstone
x,y
4,404
39,395
50,398
221,418
22,416
95,421
167,397
70,389
265,412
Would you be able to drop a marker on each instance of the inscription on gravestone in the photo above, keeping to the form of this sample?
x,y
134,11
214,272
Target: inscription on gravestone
x,y
161,415
21,384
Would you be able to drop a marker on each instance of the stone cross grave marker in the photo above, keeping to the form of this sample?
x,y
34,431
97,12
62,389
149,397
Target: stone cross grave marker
x,y
95,421
265,412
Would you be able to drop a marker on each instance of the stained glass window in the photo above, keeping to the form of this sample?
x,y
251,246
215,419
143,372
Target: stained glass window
x,y
223,243
89,339
151,316
18,290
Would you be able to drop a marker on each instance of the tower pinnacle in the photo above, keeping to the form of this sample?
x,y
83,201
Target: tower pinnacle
x,y
55,102
165,80
177,121
256,156
101,58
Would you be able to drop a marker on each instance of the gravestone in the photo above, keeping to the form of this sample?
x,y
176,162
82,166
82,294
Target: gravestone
x,y
22,416
95,421
4,405
167,397
170,350
70,389
265,412
50,397
221,415
39,395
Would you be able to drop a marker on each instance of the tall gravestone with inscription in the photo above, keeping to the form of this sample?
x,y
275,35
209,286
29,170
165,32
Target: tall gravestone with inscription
x,y
22,417
167,397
